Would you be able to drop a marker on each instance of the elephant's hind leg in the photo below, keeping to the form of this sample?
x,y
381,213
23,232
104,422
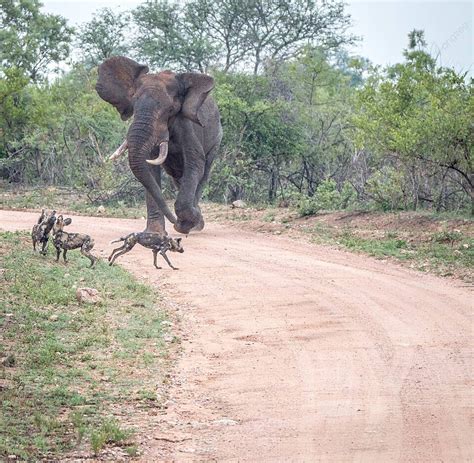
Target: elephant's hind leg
x,y
155,222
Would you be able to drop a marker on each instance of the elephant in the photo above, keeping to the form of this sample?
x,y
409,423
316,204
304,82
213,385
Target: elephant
x,y
176,126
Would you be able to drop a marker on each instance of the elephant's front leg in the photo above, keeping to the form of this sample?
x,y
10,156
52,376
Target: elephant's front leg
x,y
155,220
187,212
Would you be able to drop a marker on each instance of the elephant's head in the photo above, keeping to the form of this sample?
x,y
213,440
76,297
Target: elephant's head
x,y
155,100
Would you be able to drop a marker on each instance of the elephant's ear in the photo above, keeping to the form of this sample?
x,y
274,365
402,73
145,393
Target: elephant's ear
x,y
117,83
196,89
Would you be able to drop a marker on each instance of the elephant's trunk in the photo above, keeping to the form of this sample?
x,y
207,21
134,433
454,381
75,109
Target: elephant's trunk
x,y
142,172
140,144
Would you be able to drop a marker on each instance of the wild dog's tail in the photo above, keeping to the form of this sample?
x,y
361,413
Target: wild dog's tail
x,y
120,239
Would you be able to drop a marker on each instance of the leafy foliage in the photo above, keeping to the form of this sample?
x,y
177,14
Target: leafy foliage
x,y
305,123
255,32
103,36
170,36
31,40
326,197
416,118
231,34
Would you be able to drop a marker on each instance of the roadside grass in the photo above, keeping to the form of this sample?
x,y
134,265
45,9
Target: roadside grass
x,y
446,253
445,258
67,201
70,371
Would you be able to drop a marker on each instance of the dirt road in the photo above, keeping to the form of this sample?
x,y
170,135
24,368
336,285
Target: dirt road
x,y
299,353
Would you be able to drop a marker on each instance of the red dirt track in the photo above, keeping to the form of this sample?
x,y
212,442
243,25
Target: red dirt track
x,y
301,353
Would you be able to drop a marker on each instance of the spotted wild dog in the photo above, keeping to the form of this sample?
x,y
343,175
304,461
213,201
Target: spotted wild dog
x,y
154,241
66,241
42,229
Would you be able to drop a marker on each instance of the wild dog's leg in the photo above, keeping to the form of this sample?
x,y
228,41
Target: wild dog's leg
x,y
64,256
86,251
58,253
163,253
116,250
34,244
121,253
155,253
44,247
127,246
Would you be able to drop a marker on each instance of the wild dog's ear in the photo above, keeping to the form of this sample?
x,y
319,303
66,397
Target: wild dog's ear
x,y
41,216
67,221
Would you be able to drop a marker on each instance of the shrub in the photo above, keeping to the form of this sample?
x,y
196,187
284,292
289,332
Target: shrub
x,y
327,197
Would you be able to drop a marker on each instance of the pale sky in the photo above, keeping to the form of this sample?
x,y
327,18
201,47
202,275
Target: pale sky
x,y
383,26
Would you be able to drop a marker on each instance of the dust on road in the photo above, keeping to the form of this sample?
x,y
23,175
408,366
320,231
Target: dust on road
x,y
294,352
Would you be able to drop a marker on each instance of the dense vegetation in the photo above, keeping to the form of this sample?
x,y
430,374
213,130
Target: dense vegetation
x,y
304,121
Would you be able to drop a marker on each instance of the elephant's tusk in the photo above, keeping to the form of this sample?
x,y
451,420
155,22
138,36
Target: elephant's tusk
x,y
120,150
162,156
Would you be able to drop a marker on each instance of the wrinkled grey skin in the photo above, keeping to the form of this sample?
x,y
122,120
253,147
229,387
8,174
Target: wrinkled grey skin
x,y
166,106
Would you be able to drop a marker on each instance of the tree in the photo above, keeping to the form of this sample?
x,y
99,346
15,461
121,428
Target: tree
x,y
104,36
236,34
418,116
31,40
168,36
322,96
251,32
279,28
225,23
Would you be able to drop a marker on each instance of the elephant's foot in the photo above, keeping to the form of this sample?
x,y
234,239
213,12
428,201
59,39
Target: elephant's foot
x,y
199,226
185,226
189,218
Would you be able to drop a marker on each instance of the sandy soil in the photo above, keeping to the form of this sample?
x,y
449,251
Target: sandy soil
x,y
300,353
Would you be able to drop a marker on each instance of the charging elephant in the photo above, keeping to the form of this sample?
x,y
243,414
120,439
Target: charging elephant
x,y
176,127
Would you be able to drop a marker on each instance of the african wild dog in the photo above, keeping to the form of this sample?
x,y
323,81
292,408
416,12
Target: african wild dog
x,y
154,241
41,230
66,241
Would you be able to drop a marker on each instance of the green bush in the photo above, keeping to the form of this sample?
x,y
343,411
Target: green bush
x,y
327,197
386,189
